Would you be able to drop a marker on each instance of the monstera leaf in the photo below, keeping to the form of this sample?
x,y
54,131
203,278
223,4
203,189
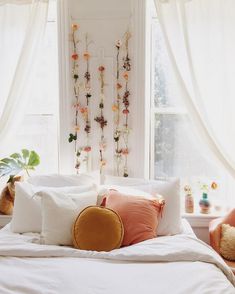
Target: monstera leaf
x,y
16,162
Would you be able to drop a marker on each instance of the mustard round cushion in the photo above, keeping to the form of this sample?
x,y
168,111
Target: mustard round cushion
x,y
98,228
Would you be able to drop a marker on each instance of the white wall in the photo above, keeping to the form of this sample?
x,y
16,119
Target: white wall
x,y
105,21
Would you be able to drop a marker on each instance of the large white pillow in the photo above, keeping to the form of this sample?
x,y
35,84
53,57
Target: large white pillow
x,y
170,224
27,207
56,180
59,212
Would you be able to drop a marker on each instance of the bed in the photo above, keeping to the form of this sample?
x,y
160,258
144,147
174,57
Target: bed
x,y
170,264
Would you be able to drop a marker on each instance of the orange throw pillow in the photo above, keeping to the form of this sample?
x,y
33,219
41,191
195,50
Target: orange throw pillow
x,y
139,215
98,228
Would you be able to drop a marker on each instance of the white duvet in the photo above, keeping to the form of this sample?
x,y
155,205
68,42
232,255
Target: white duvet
x,y
164,265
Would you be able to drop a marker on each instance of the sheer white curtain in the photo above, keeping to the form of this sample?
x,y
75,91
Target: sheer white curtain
x,y
200,38
22,23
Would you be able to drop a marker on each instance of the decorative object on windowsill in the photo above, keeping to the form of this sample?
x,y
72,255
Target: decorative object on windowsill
x,y
204,202
11,166
126,103
189,201
101,120
73,137
116,109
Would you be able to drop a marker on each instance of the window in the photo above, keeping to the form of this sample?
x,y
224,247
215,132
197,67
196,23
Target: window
x,y
39,129
175,149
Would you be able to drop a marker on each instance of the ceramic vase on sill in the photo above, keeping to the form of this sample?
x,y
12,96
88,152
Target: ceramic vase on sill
x,y
204,204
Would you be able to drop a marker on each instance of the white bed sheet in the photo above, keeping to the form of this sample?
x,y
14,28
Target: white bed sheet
x,y
179,264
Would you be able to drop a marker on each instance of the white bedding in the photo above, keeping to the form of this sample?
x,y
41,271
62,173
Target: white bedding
x,y
164,265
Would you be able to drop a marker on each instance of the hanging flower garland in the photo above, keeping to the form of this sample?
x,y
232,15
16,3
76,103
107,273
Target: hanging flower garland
x,y
101,120
116,109
73,137
126,103
86,110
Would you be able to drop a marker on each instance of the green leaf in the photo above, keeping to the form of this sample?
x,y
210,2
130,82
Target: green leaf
x,y
17,162
34,159
25,153
15,155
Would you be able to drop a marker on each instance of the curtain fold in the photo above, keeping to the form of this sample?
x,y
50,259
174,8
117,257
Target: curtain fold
x,y
22,25
201,44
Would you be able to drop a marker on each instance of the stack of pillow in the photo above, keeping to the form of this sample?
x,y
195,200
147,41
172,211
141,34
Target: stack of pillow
x,y
74,210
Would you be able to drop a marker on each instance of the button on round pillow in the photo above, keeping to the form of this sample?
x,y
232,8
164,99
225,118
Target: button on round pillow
x,y
98,228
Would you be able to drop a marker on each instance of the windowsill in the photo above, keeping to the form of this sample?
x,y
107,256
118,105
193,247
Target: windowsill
x,y
198,219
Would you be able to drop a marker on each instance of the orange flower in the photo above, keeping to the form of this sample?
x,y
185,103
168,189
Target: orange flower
x,y
119,86
114,107
74,56
126,75
76,128
75,27
214,185
125,151
101,68
86,55
83,110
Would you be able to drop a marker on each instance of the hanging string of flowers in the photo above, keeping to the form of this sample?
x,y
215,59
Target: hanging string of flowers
x,y
116,109
73,137
126,103
101,120
86,110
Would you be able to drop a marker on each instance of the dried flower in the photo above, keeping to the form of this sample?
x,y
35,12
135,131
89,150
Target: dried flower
x,y
86,55
87,76
214,185
119,86
118,44
72,137
75,27
125,111
101,68
102,162
87,128
76,105
77,128
87,148
101,121
125,75
103,145
74,56
125,151
75,76
83,110
114,107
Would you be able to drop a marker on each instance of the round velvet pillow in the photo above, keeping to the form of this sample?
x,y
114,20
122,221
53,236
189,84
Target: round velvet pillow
x,y
98,228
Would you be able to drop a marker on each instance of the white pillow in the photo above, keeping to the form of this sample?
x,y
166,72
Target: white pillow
x,y
56,180
59,212
27,207
170,224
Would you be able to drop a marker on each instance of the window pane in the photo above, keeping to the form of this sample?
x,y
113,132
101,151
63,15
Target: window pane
x,y
165,92
177,151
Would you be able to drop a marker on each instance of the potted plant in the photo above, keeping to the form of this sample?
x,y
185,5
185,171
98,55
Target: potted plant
x,y
25,160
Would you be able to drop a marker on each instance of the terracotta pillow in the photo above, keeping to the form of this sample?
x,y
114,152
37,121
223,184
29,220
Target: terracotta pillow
x,y
139,215
98,228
